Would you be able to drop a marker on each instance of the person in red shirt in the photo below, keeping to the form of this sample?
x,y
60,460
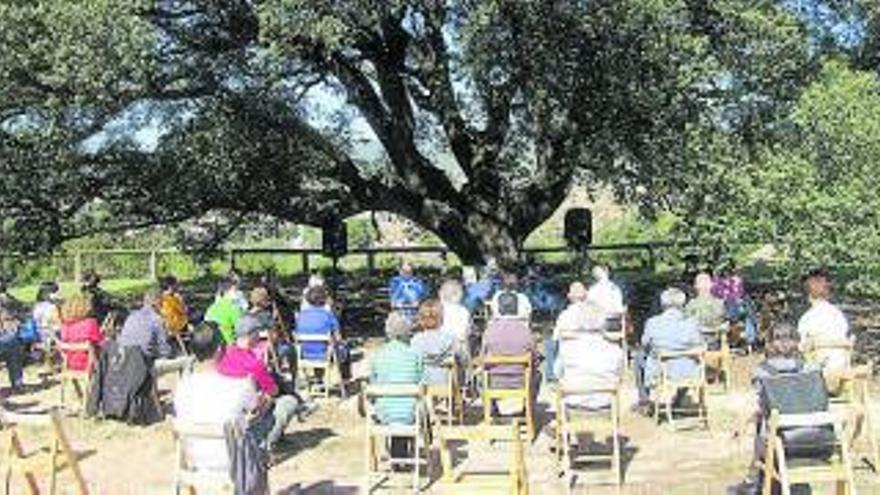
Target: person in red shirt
x,y
79,325
240,361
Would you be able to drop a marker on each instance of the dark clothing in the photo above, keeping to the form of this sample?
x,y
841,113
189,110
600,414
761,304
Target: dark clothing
x,y
145,329
101,303
124,386
12,353
249,462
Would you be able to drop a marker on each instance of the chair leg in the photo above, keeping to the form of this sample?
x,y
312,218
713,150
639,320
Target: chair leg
x,y
530,419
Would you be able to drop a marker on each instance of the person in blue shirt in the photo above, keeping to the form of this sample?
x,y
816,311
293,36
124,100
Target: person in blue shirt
x,y
669,331
317,319
407,291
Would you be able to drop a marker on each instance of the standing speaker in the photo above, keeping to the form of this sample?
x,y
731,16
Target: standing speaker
x,y
334,239
579,227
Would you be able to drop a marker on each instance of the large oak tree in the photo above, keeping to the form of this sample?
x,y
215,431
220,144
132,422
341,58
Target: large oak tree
x,y
470,117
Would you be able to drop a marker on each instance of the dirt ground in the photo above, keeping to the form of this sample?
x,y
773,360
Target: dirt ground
x,y
325,453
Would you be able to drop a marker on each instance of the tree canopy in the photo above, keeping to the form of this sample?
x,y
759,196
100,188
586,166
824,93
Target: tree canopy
x,y
470,117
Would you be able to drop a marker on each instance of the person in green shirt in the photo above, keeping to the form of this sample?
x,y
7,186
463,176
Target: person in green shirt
x,y
707,309
224,311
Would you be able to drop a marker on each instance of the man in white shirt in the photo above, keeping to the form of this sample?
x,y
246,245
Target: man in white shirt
x,y
516,304
823,323
207,398
585,357
606,293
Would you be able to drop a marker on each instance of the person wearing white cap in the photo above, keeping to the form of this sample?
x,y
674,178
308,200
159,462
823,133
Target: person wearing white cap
x,y
671,331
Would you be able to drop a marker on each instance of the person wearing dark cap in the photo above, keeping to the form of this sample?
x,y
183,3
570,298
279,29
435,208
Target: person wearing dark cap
x,y
240,361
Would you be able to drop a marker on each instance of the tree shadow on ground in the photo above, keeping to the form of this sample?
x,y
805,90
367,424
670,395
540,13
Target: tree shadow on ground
x,y
327,487
294,443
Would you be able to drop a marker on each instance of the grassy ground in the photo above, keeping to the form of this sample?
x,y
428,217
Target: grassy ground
x,y
121,287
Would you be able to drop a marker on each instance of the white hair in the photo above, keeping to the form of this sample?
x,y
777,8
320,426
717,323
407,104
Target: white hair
x,y
451,292
600,272
672,298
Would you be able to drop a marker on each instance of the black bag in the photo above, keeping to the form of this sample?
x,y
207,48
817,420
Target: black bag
x,y
508,303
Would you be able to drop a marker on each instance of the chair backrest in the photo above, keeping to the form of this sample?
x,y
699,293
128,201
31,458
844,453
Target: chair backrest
x,y
696,354
186,432
372,392
493,362
305,338
68,348
803,392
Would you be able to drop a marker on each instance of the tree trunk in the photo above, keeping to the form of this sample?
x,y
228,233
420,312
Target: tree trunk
x,y
479,238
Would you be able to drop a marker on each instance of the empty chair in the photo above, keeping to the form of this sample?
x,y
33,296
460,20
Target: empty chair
x,y
481,473
33,468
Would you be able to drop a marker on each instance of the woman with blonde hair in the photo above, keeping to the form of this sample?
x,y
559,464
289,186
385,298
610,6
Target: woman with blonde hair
x,y
436,345
78,324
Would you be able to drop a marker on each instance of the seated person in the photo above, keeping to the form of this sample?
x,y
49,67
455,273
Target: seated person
x,y
172,308
11,351
782,369
225,311
508,335
456,317
605,293
823,323
406,291
586,358
145,329
571,318
207,397
396,363
315,280
79,325
509,302
707,309
437,346
670,331
240,361
47,310
101,303
318,320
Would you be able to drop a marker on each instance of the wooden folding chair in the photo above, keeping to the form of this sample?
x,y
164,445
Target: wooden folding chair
x,y
190,478
81,380
379,466
476,476
787,472
447,396
621,335
34,467
721,360
522,393
319,374
571,421
818,351
668,389
854,404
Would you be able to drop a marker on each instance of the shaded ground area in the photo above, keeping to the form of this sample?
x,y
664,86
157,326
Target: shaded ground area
x,y
325,453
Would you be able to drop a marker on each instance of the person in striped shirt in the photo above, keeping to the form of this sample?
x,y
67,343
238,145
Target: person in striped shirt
x,y
397,363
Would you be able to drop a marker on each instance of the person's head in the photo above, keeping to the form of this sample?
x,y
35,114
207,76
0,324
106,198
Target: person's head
x,y
451,292
234,277
8,320
77,307
577,292
317,296
672,298
247,331
205,341
818,285
397,327
91,280
260,299
510,281
169,283
151,298
406,268
224,287
430,315
48,292
783,342
703,284
601,273
315,279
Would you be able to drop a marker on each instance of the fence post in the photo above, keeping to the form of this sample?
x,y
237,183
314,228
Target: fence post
x,y
305,262
77,267
371,263
231,255
153,265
